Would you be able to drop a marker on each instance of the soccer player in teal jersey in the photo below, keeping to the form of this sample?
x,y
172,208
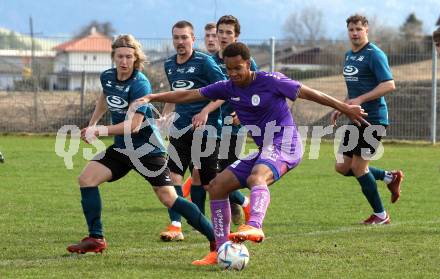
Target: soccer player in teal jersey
x,y
368,78
121,86
228,32
190,69
211,40
259,99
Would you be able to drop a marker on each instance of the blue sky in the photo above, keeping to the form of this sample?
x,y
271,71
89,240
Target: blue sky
x,y
260,19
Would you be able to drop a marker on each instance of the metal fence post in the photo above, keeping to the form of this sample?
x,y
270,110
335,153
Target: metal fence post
x,y
272,54
434,95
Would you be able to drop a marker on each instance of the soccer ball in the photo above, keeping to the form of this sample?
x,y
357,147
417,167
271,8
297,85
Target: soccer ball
x,y
233,256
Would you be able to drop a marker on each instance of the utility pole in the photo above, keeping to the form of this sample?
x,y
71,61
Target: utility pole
x,y
33,81
215,10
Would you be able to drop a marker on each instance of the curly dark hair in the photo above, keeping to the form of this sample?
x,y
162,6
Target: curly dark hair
x,y
235,49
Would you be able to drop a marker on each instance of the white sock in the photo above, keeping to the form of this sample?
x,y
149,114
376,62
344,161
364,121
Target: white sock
x,y
388,177
246,202
381,215
176,224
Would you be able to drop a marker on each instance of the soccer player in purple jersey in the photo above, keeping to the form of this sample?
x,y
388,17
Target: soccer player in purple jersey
x,y
259,99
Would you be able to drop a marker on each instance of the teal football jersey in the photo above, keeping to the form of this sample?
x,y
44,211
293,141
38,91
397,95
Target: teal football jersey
x,y
119,95
199,71
363,71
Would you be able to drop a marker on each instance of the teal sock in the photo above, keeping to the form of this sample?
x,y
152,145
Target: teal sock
x,y
198,197
369,188
236,197
378,174
175,216
194,217
92,208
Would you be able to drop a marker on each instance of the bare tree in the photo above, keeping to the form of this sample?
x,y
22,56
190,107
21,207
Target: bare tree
x,y
307,25
380,32
412,28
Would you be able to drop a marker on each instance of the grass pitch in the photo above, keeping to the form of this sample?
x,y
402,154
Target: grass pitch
x,y
311,226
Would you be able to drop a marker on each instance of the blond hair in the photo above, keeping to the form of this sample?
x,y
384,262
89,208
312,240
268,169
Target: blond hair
x,y
127,40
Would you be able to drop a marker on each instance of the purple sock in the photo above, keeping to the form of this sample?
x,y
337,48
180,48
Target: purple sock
x,y
221,220
259,202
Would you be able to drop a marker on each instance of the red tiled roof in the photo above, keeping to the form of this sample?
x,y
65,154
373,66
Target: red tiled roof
x,y
95,42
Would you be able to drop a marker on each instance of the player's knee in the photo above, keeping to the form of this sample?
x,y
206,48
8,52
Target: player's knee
x,y
165,196
167,202
254,179
85,180
215,189
342,169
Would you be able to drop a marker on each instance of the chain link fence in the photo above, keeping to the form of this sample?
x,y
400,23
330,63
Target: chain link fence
x,y
55,81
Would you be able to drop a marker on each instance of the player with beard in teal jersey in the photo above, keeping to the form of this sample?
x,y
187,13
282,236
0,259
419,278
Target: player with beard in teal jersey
x,y
136,147
190,69
368,78
228,32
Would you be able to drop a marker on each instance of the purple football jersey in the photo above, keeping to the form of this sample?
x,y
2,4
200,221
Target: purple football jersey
x,y
261,106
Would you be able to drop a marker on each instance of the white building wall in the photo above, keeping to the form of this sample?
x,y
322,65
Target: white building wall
x,y
72,64
91,62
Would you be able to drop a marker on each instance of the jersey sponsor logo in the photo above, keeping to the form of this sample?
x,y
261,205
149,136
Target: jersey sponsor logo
x,y
126,89
361,58
116,102
350,70
169,72
109,83
255,100
191,70
274,75
235,164
180,70
182,85
235,99
119,87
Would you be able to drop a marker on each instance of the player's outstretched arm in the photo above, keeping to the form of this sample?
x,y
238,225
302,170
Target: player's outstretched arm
x,y
181,96
354,112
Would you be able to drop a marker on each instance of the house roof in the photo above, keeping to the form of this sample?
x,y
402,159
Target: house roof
x,y
94,42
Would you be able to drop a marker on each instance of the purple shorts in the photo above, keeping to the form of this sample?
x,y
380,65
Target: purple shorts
x,y
278,158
